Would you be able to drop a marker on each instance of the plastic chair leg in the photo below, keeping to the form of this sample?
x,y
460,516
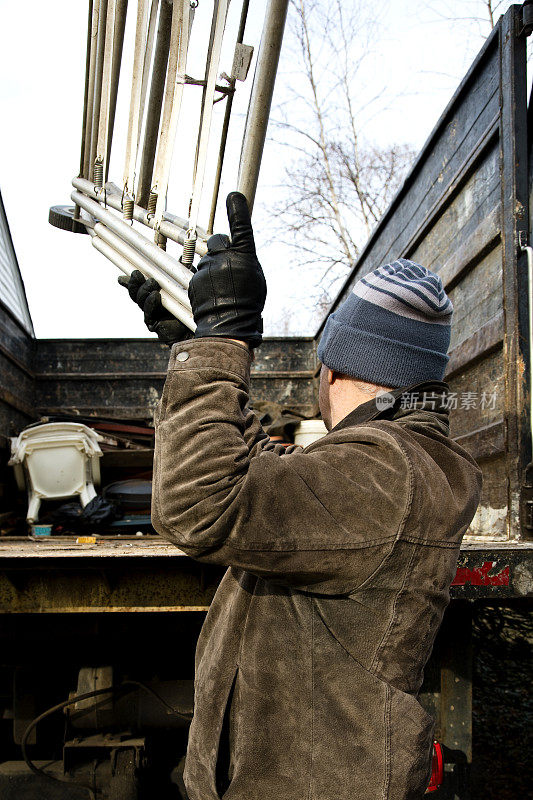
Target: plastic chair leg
x,y
87,494
33,508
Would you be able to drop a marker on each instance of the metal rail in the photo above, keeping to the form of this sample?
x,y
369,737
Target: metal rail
x,y
225,124
170,265
155,101
84,143
261,99
100,164
177,64
150,39
172,226
120,27
135,116
89,111
219,24
98,72
143,199
127,259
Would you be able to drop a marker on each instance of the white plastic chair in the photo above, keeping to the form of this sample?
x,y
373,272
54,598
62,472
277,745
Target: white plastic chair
x,y
55,461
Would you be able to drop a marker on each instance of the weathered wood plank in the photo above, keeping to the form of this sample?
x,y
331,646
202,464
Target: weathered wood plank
x,y
298,394
15,340
484,442
88,356
124,378
464,257
486,338
466,169
457,221
477,298
12,421
492,517
16,379
479,391
149,357
116,399
16,402
120,413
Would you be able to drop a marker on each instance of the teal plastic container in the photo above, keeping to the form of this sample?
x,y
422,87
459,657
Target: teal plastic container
x,y
41,530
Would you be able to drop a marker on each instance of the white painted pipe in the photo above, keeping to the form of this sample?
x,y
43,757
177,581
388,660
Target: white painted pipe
x,y
172,227
175,82
105,100
261,98
145,266
125,266
135,116
213,59
151,251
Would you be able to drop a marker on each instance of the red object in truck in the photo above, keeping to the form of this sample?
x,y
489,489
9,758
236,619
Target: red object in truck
x,y
437,769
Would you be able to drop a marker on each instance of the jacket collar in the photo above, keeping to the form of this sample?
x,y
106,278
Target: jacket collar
x,y
424,403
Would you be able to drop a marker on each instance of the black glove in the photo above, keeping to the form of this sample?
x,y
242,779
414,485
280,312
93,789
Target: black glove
x,y
228,291
146,293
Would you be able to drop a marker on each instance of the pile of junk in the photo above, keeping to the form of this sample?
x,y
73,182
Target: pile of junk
x,y
93,477
82,477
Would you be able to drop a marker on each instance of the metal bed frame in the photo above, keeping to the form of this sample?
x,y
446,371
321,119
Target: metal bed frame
x,y
159,81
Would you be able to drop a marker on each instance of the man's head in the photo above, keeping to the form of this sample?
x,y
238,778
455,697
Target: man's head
x,y
392,331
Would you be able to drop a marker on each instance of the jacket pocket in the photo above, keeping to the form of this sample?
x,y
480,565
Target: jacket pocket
x,y
209,749
409,747
224,762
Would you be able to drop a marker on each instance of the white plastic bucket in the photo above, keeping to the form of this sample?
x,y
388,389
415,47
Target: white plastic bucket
x,y
308,431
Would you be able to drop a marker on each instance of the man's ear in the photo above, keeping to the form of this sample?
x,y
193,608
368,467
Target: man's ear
x,y
332,376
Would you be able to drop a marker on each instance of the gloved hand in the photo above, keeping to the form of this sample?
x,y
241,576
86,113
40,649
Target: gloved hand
x,y
228,291
146,293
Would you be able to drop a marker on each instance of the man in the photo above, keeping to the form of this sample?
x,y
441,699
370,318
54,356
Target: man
x,y
340,555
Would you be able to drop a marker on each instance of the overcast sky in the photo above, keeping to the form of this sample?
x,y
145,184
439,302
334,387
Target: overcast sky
x,y
422,52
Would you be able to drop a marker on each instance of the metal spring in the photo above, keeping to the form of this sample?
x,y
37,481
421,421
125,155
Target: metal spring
x,y
160,240
127,208
189,247
152,203
98,173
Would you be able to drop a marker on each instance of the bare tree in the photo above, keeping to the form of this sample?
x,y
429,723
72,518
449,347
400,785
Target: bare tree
x,y
482,13
338,183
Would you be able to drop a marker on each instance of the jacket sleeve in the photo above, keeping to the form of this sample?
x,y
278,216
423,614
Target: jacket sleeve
x,y
323,519
258,441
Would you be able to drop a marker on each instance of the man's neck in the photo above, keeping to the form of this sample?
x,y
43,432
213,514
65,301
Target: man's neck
x,y
346,404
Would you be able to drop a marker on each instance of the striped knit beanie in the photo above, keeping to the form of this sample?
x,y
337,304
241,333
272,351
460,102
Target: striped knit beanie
x,y
394,328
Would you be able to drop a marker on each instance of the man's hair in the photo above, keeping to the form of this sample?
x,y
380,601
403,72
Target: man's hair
x,y
365,386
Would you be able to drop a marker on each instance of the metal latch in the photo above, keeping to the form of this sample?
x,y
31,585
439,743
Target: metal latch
x,y
241,61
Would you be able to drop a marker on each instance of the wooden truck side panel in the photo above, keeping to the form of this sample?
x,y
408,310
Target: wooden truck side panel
x,y
461,212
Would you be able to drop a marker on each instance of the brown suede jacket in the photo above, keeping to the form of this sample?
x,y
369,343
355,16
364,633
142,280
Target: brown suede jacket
x,y
340,559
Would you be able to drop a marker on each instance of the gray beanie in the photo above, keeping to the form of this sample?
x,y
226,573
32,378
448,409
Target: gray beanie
x,y
394,328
